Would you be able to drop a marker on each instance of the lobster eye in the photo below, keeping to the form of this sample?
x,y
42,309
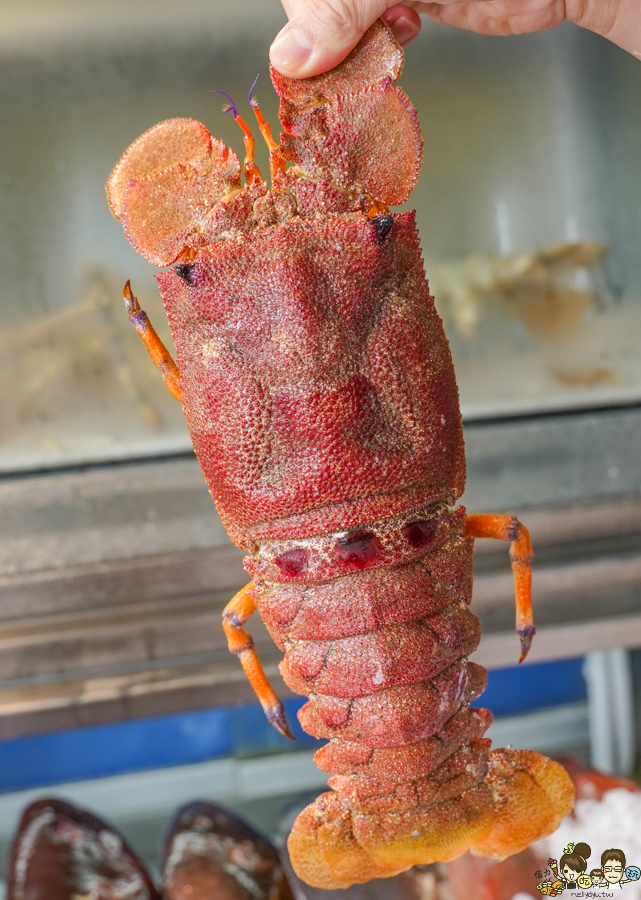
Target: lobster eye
x,y
383,225
186,272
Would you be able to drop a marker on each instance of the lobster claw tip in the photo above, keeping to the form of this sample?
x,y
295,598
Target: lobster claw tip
x,y
525,634
276,715
131,303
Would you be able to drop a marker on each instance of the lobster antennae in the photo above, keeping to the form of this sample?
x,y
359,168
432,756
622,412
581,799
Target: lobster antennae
x,y
252,172
231,107
252,101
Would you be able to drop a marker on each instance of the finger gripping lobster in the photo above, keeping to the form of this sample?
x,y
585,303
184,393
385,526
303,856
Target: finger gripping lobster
x,y
319,393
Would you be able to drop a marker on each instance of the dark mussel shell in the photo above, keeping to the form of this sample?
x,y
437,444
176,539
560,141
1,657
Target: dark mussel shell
x,y
64,853
210,853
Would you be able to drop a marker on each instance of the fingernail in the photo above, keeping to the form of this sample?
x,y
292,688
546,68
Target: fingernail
x,y
291,49
405,30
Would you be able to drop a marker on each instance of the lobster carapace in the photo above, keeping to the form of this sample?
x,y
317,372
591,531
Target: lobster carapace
x,y
319,392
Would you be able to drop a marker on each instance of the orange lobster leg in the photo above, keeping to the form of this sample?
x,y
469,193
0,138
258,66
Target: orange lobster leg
x,y
237,612
155,347
508,528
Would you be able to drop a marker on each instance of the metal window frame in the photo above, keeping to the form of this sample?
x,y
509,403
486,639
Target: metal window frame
x,y
113,578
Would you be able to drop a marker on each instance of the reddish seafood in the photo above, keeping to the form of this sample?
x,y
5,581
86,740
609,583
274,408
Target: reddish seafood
x,y
319,392
60,852
210,853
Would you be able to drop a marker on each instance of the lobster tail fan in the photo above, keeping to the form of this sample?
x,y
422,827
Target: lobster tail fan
x,y
352,127
531,795
166,184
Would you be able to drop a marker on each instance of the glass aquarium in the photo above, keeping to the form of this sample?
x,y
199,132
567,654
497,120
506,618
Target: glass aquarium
x,y
528,210
116,684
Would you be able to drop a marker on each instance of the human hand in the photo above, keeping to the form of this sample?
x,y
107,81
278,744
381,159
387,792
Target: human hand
x,y
321,33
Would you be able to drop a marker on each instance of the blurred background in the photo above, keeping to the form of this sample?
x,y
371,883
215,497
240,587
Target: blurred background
x,y
116,688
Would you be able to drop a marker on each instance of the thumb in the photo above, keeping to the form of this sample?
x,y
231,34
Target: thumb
x,y
321,33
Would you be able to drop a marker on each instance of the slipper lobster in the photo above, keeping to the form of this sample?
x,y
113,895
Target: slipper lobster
x,y
319,392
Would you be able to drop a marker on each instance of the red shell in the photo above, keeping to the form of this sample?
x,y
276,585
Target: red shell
x,y
316,378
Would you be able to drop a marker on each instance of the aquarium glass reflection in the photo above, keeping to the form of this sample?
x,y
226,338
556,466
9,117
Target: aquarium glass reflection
x,y
528,206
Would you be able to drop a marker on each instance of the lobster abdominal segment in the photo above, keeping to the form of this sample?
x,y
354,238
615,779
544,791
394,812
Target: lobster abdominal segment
x,y
412,648
332,555
390,686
